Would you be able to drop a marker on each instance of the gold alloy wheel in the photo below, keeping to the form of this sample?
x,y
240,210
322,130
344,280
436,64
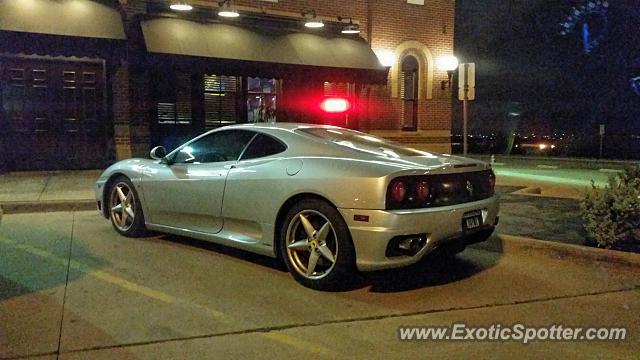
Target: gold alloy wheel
x,y
122,206
312,245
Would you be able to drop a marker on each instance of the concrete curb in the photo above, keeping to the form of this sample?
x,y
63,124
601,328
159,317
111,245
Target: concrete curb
x,y
537,191
508,244
21,207
593,164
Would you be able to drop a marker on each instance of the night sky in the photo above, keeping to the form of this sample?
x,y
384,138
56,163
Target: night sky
x,y
546,81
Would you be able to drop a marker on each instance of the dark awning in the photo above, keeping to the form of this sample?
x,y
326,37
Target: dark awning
x,y
65,27
227,42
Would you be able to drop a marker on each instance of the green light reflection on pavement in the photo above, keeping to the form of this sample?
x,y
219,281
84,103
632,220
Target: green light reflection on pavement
x,y
576,177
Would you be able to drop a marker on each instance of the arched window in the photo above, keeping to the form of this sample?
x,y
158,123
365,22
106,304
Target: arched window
x,y
409,92
420,53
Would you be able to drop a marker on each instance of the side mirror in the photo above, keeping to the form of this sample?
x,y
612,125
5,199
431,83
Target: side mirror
x,y
158,153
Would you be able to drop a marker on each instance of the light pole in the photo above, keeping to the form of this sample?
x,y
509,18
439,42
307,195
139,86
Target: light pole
x,y
449,63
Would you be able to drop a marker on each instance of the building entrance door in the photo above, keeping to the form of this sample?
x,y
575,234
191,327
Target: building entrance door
x,y
53,114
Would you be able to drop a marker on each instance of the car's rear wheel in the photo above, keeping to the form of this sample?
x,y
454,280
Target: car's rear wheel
x,y
316,245
124,208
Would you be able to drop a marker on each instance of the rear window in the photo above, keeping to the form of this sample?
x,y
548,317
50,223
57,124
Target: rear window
x,y
261,146
362,142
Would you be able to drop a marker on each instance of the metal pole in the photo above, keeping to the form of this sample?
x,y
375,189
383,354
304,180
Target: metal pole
x,y
465,119
464,126
601,143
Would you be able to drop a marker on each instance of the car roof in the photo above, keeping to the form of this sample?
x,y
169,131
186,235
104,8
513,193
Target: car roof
x,y
280,125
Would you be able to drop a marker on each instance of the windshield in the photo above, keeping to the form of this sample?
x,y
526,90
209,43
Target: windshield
x,y
363,142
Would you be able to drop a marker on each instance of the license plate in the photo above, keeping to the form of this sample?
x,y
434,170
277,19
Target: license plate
x,y
471,221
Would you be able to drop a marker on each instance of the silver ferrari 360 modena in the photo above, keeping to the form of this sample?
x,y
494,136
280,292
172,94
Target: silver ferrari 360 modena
x,y
326,200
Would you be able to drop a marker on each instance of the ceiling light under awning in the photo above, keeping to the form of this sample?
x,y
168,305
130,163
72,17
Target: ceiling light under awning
x,y
180,6
351,29
227,10
314,24
312,20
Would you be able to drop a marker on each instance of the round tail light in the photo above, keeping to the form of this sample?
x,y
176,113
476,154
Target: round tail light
x,y
422,191
398,191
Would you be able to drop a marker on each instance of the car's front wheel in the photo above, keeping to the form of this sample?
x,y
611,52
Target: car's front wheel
x,y
316,245
124,208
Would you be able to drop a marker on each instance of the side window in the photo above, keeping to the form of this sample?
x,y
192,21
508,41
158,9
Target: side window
x,y
262,146
217,147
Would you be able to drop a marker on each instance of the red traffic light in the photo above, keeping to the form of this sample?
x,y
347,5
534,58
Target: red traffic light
x,y
335,105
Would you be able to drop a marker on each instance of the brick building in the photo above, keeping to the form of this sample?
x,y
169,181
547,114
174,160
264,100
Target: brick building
x,y
87,82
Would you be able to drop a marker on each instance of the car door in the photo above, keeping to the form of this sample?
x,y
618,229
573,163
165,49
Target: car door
x,y
187,192
249,200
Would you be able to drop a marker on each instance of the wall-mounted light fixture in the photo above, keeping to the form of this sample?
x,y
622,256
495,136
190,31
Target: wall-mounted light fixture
x,y
312,20
350,28
450,64
180,6
386,57
227,10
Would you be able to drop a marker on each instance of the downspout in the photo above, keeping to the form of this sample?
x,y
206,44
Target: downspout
x,y
369,21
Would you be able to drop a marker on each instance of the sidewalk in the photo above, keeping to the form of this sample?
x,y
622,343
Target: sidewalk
x,y
47,191
552,218
73,190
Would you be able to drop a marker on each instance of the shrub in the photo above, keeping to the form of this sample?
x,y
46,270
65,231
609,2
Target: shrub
x,y
612,215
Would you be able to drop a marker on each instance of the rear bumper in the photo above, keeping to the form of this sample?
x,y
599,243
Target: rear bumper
x,y
440,226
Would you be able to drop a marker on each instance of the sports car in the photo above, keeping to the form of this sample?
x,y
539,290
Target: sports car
x,y
327,201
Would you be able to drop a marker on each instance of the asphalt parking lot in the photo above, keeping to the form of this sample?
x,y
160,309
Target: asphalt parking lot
x,y
71,288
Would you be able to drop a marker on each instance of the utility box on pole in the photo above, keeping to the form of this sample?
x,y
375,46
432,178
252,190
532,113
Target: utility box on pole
x,y
466,92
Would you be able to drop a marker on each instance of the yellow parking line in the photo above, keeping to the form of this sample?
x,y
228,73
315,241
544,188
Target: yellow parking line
x,y
106,277
300,344
163,297
125,284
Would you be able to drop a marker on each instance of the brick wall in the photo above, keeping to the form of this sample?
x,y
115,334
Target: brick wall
x,y
130,97
394,22
391,22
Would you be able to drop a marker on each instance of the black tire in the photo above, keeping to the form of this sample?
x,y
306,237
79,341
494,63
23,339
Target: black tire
x,y
329,276
130,227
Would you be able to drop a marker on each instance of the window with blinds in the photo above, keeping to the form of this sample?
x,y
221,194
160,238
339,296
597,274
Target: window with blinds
x,y
178,112
409,78
220,100
408,85
333,89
